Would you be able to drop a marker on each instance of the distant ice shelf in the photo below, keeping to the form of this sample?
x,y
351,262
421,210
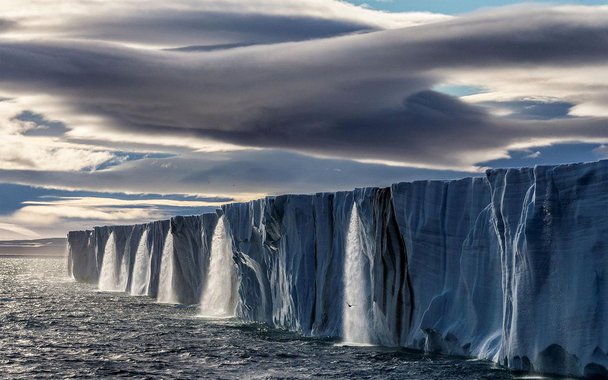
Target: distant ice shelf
x,y
510,267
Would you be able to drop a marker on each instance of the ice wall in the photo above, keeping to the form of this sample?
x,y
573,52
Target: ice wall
x,y
510,267
552,224
82,256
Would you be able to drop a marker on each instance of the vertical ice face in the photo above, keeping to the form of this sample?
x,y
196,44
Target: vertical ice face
x,y
219,298
511,267
252,242
81,256
141,269
166,293
552,223
355,321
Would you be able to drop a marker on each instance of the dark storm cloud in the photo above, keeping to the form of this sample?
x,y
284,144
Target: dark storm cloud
x,y
192,27
423,127
358,96
202,48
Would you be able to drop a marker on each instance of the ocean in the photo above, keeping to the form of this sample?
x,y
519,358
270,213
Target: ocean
x,y
54,327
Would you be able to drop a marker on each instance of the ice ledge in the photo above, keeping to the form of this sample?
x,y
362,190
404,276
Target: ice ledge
x,y
510,267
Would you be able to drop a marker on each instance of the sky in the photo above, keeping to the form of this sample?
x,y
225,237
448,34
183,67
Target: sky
x,y
454,7
122,112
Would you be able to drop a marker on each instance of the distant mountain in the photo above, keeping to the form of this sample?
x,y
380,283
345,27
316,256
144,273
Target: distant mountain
x,y
54,247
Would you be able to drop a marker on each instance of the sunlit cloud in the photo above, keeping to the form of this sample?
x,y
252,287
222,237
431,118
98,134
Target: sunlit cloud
x,y
244,99
111,202
355,96
54,214
10,231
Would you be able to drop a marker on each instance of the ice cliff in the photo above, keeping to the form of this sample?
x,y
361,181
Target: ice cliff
x,y
510,267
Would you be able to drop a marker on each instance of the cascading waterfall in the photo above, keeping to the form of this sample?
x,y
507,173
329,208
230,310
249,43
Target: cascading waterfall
x,y
107,276
218,298
113,277
123,274
355,321
142,268
166,293
68,253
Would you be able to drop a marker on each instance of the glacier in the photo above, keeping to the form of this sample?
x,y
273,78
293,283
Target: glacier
x,y
510,267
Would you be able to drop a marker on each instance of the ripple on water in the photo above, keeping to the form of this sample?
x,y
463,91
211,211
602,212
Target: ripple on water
x,y
54,327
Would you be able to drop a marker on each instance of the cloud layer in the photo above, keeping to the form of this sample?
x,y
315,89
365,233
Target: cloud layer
x,y
262,97
360,96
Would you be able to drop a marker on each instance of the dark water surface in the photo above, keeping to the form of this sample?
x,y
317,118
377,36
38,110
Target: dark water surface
x,y
51,326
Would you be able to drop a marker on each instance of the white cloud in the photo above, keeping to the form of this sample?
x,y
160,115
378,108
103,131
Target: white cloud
x,y
45,154
534,154
94,202
10,231
53,217
601,151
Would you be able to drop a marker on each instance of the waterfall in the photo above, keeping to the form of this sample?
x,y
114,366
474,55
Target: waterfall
x,y
113,277
142,268
218,299
123,274
69,254
355,321
166,293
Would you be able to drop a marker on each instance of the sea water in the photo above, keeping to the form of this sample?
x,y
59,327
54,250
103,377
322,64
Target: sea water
x,y
51,326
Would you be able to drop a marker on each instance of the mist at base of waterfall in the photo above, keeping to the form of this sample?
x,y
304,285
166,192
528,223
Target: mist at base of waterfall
x,y
54,327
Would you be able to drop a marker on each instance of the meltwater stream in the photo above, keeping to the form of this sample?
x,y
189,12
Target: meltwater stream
x,y
356,309
218,298
54,327
166,293
112,277
142,268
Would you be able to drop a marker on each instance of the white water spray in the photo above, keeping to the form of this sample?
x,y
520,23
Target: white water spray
x,y
113,276
355,321
166,293
141,269
68,252
218,299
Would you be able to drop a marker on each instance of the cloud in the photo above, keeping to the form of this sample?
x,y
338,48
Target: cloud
x,y
44,154
242,99
534,154
53,215
242,175
362,96
10,231
35,124
533,109
113,202
601,151
7,25
184,23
